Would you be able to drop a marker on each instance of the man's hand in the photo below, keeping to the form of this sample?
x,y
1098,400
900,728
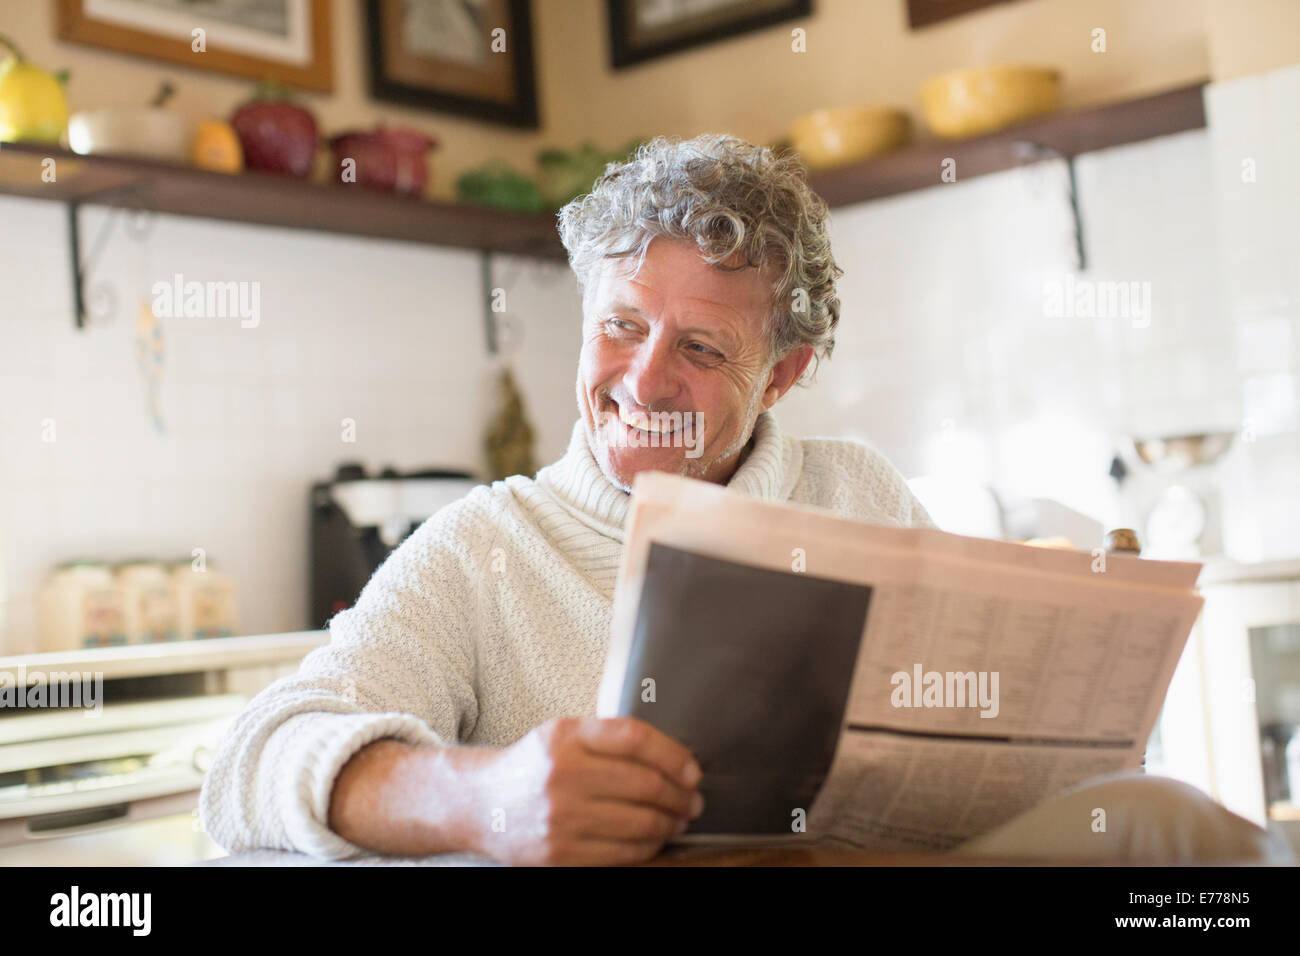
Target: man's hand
x,y
583,791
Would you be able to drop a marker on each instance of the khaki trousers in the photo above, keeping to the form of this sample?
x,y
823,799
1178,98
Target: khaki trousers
x,y
1146,819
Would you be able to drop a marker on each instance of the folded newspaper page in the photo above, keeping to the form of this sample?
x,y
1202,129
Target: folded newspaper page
x,y
883,688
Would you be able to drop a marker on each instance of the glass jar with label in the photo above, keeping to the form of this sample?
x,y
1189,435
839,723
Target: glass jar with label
x,y
206,599
150,600
81,605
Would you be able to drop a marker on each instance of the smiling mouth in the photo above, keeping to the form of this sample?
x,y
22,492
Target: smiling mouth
x,y
643,422
649,424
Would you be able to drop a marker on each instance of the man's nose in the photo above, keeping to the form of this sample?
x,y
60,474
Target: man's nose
x,y
650,377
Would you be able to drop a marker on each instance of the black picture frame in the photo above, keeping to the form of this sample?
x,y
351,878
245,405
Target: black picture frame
x,y
522,112
625,51
923,13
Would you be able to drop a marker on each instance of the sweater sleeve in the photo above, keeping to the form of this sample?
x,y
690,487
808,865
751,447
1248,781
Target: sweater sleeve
x,y
854,479
890,491
918,517
400,664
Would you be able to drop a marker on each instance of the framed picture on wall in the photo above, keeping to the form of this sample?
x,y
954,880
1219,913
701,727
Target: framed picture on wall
x,y
286,41
922,13
471,57
641,30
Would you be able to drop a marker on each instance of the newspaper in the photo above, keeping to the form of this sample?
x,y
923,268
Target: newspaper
x,y
884,688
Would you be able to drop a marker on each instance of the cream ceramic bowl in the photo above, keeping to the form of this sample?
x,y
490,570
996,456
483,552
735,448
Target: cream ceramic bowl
x,y
834,137
146,132
969,102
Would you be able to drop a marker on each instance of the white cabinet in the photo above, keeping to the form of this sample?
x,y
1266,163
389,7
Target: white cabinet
x,y
1237,689
113,779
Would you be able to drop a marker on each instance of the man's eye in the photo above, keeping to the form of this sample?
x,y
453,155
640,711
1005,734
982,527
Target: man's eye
x,y
705,350
619,323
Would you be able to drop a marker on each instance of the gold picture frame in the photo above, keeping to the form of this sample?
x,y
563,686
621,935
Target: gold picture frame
x,y
284,41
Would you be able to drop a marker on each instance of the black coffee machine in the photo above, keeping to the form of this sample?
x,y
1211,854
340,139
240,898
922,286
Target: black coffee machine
x,y
358,520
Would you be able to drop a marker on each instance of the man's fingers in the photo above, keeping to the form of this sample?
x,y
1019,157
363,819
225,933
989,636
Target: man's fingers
x,y
638,740
616,821
629,781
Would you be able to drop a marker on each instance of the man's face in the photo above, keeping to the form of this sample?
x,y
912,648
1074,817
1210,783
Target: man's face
x,y
674,368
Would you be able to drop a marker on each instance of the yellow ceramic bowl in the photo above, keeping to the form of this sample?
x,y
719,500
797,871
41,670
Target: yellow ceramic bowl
x,y
969,102
834,137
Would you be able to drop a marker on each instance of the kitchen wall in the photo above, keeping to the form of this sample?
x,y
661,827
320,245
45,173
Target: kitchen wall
x,y
858,51
389,335
1256,148
862,51
949,360
1251,37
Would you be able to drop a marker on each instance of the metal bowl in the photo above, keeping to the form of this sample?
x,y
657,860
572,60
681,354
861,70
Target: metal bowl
x,y
1178,453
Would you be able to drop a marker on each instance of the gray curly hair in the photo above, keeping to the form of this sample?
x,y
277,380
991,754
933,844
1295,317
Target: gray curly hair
x,y
728,197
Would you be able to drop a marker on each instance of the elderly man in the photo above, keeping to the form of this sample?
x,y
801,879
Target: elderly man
x,y
454,706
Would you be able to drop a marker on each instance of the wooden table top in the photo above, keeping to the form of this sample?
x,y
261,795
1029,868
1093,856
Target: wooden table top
x,y
683,856
823,856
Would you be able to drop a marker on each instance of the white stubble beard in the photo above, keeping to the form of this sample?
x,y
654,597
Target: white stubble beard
x,y
690,467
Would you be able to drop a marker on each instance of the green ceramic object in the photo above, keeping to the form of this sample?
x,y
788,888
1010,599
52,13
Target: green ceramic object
x,y
567,174
496,184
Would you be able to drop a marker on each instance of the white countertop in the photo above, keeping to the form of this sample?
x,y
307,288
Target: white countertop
x,y
177,657
1220,570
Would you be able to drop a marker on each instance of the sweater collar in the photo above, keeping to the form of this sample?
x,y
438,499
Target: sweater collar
x,y
768,471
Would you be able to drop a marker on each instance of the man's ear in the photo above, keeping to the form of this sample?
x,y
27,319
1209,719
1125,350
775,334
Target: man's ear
x,y
785,373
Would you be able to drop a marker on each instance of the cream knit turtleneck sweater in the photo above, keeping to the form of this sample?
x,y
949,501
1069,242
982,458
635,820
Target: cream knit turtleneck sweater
x,y
491,618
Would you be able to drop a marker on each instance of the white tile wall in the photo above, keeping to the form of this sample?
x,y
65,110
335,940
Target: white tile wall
x,y
947,358
1256,150
388,334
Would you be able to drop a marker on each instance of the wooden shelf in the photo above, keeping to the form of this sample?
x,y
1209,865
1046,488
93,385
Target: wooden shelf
x,y
265,199
1064,134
